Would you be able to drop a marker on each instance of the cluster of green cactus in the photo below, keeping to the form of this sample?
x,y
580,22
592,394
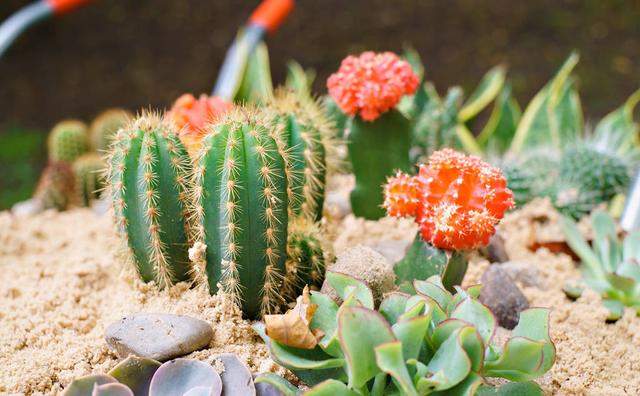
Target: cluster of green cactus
x,y
250,196
426,342
609,265
68,140
105,126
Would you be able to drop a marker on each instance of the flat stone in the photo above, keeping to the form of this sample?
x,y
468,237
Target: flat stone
x,y
393,250
158,336
502,296
236,378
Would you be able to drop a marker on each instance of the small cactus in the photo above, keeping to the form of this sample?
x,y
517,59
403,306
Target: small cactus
x,y
305,263
89,177
307,135
368,88
241,197
148,175
68,140
104,127
56,188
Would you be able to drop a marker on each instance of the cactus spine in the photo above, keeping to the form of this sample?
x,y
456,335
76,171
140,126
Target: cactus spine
x,y
306,134
89,176
105,126
148,176
68,140
305,263
241,198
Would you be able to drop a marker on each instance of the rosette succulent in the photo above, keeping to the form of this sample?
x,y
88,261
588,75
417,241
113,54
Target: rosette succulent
x,y
457,201
431,342
610,265
368,88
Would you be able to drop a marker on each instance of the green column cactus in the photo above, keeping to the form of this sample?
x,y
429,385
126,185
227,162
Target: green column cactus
x,y
68,140
306,133
104,127
88,170
305,263
241,198
148,177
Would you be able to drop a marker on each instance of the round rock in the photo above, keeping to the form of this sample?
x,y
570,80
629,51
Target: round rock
x,y
502,296
158,336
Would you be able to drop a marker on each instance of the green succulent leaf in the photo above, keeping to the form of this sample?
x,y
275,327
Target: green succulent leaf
x,y
434,288
83,386
279,383
511,389
534,324
471,340
485,93
615,308
325,319
136,373
631,247
390,359
475,313
411,333
468,387
344,285
331,387
393,306
578,244
521,360
449,366
360,330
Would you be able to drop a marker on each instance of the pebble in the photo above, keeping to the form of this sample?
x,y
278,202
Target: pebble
x,y
158,336
236,378
522,272
502,296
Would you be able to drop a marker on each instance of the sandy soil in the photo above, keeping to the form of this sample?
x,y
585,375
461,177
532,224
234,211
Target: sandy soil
x,y
61,284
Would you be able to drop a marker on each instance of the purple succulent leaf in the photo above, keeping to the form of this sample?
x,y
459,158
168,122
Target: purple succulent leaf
x,y
83,386
179,376
113,389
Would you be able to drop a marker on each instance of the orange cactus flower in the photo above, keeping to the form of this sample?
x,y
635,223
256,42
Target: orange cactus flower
x,y
460,200
191,115
371,84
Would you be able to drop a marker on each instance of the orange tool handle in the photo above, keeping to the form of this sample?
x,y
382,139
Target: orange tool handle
x,y
271,13
63,6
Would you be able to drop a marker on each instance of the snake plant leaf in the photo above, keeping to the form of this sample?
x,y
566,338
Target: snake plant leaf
x,y
449,366
485,93
393,306
468,387
136,373
534,324
325,319
474,312
83,386
256,85
549,111
411,333
498,132
511,389
390,359
113,389
298,79
279,383
622,120
344,285
521,360
360,330
331,387
179,376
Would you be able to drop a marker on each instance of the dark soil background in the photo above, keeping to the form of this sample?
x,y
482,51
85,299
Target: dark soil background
x,y
141,53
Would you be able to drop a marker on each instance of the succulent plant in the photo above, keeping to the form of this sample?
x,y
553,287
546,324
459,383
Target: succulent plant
x,y
610,265
147,377
148,176
368,88
88,170
431,342
457,201
104,127
307,135
192,115
240,197
68,140
56,188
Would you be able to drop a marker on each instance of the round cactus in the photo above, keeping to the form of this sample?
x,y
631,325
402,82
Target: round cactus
x,y
68,140
241,203
89,175
307,135
148,178
305,263
56,189
530,177
105,125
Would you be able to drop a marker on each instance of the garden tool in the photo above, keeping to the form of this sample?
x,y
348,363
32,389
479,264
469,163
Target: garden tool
x,y
30,15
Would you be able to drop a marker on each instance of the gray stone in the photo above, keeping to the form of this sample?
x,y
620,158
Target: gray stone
x,y
158,336
522,272
236,378
496,252
502,296
27,208
393,249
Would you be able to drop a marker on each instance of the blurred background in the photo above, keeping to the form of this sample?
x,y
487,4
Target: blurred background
x,y
145,53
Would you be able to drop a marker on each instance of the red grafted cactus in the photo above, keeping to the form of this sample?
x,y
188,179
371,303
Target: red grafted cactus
x,y
191,115
457,200
371,84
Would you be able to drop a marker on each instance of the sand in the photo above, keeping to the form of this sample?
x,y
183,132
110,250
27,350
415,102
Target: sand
x,y
61,284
